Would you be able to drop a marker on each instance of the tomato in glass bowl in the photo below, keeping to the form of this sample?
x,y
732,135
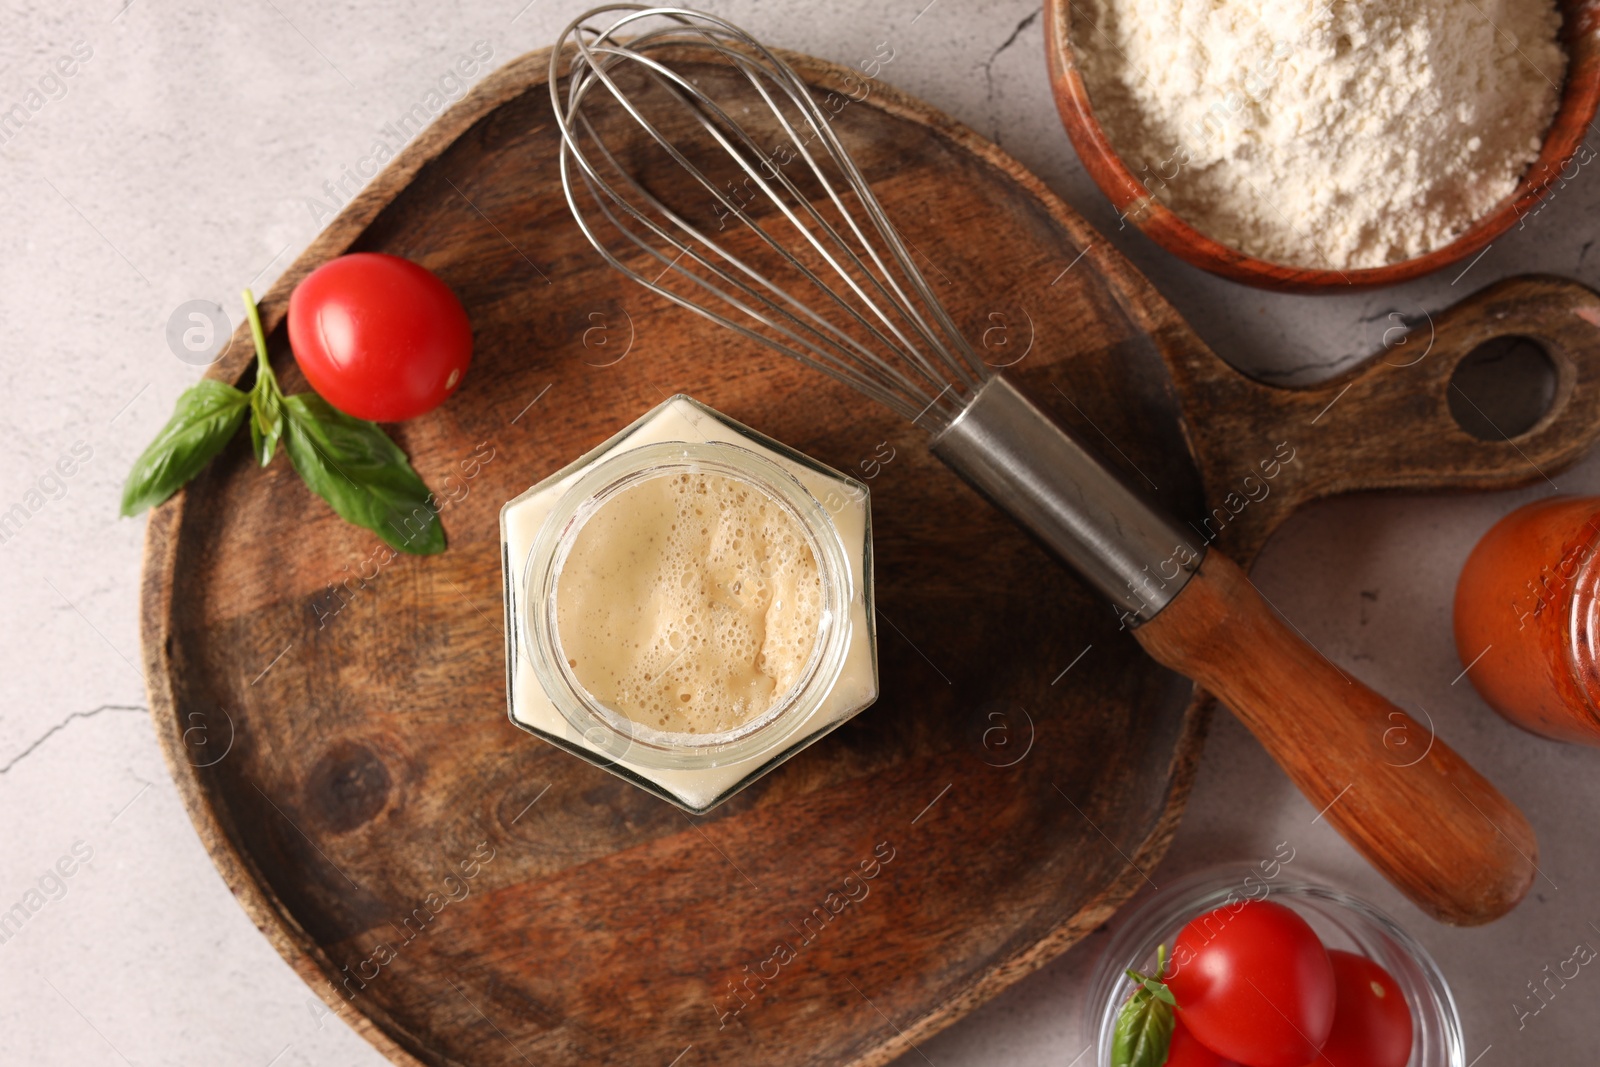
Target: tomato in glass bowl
x,y
1343,923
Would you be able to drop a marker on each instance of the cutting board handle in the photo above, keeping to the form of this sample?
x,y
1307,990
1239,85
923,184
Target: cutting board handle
x,y
1387,423
1418,812
1405,392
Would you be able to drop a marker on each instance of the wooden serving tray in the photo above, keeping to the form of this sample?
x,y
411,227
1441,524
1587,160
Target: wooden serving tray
x,y
464,894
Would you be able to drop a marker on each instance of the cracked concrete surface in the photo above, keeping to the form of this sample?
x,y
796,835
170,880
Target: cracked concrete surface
x,y
988,73
177,163
33,746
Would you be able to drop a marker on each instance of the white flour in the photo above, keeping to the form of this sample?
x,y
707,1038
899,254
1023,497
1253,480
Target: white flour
x,y
1333,135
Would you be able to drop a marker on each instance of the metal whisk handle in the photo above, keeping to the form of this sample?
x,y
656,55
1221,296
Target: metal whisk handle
x,y
1008,449
1433,825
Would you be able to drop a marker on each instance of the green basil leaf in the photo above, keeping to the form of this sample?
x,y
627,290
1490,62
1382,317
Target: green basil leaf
x,y
1143,1033
362,474
266,419
204,419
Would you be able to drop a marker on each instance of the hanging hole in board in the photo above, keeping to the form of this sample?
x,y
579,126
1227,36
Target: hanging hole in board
x,y
1502,388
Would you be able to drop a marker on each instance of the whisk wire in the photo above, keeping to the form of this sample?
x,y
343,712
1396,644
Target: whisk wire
x,y
823,357
697,106
843,369
898,299
671,82
894,339
799,94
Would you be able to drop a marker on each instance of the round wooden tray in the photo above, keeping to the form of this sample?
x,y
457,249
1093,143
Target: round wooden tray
x,y
464,894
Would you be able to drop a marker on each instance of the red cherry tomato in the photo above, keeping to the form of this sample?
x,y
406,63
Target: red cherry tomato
x,y
1372,1024
378,336
1185,1051
1253,983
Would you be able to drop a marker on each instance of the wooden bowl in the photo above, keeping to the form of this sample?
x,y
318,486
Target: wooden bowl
x,y
1556,165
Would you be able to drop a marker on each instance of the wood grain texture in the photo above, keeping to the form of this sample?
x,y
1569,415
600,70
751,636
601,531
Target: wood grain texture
x,y
1560,159
347,761
1386,424
1416,810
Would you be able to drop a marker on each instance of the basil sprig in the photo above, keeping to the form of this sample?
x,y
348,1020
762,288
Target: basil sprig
x,y
362,474
1143,1034
349,462
207,416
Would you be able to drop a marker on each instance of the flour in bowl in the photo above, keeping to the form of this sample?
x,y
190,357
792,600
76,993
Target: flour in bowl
x,y
1322,134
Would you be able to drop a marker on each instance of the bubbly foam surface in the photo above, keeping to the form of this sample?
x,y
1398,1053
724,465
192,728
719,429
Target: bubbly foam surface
x,y
689,602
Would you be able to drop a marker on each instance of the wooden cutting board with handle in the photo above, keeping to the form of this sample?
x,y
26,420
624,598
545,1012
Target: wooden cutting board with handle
x,y
463,894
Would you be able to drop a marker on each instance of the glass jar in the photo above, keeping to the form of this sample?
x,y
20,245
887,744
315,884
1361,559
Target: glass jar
x,y
1527,618
1340,920
696,771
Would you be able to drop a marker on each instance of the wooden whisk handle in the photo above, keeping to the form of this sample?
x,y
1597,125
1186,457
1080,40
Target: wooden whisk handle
x,y
1416,810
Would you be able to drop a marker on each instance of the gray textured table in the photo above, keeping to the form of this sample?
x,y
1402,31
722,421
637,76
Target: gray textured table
x,y
185,157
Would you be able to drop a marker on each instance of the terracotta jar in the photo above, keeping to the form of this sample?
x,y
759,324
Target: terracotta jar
x,y
1527,618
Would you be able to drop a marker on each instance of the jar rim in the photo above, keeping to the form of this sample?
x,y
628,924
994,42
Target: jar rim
x,y
1582,639
616,734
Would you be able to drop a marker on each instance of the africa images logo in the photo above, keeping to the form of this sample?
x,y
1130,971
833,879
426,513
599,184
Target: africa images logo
x,y
52,85
392,136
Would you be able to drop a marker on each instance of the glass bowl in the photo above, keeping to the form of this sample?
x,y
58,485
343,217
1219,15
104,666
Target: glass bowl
x,y
1341,920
